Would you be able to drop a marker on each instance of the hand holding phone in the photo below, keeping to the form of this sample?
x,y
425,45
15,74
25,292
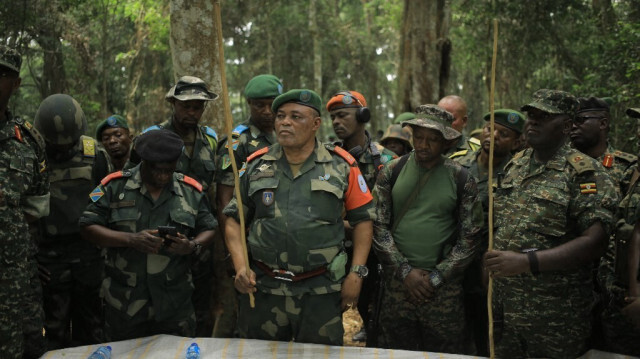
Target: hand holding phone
x,y
163,231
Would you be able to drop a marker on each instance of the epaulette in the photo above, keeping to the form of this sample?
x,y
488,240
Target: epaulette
x,y
458,154
625,156
580,162
342,153
257,153
474,143
154,127
32,132
113,176
239,130
210,132
517,155
88,147
192,182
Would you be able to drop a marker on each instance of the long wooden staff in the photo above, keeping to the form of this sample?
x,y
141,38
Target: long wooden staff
x,y
229,125
492,126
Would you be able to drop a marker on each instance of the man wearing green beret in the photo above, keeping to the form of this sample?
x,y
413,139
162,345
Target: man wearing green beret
x,y
24,184
254,134
189,98
294,194
553,212
405,116
508,128
113,133
618,271
148,283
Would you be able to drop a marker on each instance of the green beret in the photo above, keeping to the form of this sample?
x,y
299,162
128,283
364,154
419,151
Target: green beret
x,y
10,58
300,96
159,145
508,118
112,121
263,86
405,116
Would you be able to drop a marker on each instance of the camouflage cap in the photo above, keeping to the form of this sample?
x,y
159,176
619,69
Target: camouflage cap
x,y
436,118
554,102
592,104
10,58
397,132
300,96
190,88
404,117
508,118
263,86
633,112
112,121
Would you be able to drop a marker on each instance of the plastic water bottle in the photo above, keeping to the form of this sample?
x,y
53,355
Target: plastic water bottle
x,y
193,352
103,352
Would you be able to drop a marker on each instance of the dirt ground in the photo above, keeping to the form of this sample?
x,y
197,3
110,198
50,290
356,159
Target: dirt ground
x,y
352,323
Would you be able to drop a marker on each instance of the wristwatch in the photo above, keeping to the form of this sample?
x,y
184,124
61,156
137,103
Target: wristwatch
x,y
197,248
361,270
436,280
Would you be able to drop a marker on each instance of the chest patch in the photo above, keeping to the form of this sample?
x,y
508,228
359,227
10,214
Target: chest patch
x,y
267,197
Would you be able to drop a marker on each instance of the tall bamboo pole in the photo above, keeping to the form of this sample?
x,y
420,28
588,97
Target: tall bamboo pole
x,y
229,125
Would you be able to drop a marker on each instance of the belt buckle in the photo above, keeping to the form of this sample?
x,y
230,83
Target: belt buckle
x,y
284,275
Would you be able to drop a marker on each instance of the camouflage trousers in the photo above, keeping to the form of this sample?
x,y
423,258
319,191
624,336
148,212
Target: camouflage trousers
x,y
12,283
72,299
306,318
438,325
33,313
620,335
120,326
202,272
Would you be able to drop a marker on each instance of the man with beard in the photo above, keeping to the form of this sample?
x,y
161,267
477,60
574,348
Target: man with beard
x,y
553,210
427,231
246,138
113,133
507,131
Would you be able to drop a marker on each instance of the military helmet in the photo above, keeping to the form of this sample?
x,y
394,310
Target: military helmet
x,y
60,120
398,132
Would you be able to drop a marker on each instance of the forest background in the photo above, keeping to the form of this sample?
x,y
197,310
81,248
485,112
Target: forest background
x,y
122,56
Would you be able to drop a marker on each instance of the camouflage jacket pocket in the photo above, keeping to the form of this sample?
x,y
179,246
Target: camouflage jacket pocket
x,y
327,200
263,193
184,220
124,219
549,210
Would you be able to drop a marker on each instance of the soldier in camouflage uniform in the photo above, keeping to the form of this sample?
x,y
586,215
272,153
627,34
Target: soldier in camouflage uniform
x,y
618,272
349,115
553,211
507,132
457,106
294,194
248,137
397,139
24,197
148,285
72,304
113,133
422,304
189,98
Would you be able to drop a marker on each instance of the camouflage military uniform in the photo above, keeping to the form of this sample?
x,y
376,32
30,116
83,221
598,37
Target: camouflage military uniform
x,y
542,206
73,293
438,325
147,294
24,189
617,164
201,166
620,335
296,225
464,147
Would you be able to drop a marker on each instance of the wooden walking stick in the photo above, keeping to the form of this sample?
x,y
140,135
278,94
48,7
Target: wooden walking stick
x,y
229,125
492,349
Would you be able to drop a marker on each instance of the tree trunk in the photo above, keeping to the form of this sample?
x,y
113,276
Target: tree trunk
x,y
317,54
195,51
425,53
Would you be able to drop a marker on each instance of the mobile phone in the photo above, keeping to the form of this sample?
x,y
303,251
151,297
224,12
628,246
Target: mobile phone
x,y
163,231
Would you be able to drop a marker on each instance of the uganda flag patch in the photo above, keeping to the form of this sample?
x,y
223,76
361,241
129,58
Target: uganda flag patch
x,y
589,187
96,194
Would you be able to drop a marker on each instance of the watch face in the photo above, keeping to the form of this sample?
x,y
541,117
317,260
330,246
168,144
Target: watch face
x,y
363,271
435,279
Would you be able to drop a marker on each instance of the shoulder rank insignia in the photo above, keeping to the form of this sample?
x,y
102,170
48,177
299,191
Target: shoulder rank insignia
x,y
254,143
257,153
96,194
344,154
192,182
580,162
17,132
625,156
88,147
110,177
607,161
239,130
589,187
458,154
210,132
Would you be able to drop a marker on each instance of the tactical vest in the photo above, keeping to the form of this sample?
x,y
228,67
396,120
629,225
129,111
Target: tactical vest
x,y
71,183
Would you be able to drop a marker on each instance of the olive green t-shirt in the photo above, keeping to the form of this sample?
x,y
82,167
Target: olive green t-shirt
x,y
430,221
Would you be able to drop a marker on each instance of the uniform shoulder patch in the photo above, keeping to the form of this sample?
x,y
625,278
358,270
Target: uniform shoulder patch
x,y
257,153
88,147
33,132
113,176
580,162
192,182
458,154
239,130
474,143
210,132
518,155
154,127
625,156
342,153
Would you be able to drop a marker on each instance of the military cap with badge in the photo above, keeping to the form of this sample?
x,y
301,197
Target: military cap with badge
x,y
555,102
508,118
113,121
300,96
263,86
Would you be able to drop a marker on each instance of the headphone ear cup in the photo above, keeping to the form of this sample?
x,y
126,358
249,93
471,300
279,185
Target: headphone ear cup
x,y
363,114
